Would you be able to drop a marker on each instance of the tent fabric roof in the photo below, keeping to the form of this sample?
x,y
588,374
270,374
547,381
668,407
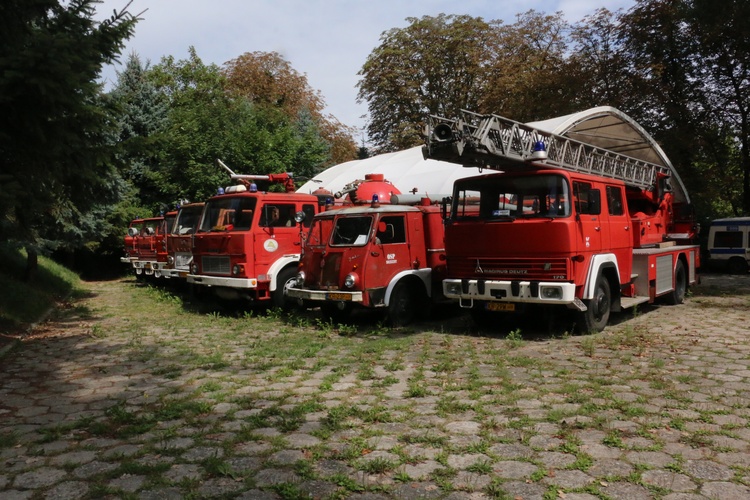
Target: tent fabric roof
x,y
603,126
407,170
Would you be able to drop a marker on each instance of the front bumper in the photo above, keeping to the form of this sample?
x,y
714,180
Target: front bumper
x,y
530,292
224,281
324,295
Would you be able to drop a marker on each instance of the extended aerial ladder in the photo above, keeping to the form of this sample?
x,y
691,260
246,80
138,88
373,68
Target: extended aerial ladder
x,y
498,143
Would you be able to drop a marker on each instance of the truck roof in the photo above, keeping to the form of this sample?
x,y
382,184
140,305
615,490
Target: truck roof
x,y
731,220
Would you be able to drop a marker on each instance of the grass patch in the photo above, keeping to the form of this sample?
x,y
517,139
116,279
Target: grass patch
x,y
23,302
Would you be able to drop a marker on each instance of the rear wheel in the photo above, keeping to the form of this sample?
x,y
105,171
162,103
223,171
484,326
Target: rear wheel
x,y
596,316
677,296
402,305
285,280
737,265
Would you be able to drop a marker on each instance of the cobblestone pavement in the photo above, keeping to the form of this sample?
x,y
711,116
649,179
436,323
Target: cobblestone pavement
x,y
104,402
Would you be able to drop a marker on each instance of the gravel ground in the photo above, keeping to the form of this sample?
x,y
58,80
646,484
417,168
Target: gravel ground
x,y
135,392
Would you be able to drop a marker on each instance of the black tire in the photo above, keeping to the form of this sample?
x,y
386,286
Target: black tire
x,y
677,296
402,307
284,280
596,316
338,312
737,265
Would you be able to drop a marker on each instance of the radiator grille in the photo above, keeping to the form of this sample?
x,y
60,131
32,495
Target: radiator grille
x,y
331,271
215,265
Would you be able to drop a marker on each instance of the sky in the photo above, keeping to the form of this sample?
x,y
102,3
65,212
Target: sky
x,y
326,40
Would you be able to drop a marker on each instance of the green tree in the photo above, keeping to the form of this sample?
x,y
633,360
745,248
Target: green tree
x,y
722,63
207,121
597,65
141,120
436,65
53,128
269,81
688,62
527,80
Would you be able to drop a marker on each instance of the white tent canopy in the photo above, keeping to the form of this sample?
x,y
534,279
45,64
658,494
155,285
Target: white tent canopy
x,y
604,127
407,170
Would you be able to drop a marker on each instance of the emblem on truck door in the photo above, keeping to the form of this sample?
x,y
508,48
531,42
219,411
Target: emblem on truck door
x,y
271,245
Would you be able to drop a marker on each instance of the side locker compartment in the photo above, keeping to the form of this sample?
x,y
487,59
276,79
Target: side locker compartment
x,y
664,273
641,272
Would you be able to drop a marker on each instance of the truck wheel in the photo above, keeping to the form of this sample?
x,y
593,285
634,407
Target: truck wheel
x,y
402,306
338,312
284,280
677,296
737,265
596,317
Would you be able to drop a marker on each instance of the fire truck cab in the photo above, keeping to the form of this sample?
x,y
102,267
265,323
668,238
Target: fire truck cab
x,y
566,223
151,245
381,253
130,247
248,242
180,240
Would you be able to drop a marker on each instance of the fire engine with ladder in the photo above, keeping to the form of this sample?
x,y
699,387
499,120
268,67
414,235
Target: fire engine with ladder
x,y
564,223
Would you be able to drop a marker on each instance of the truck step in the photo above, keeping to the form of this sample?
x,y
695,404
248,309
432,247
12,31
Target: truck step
x,y
628,302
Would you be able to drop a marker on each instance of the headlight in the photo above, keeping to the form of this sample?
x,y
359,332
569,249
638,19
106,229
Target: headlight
x,y
194,268
453,288
551,292
238,269
170,260
300,278
350,280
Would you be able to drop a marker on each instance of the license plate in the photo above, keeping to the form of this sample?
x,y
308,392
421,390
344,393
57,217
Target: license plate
x,y
338,296
500,306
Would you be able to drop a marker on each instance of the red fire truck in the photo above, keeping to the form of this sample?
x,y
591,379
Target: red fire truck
x,y
566,223
384,251
248,242
151,245
131,249
180,240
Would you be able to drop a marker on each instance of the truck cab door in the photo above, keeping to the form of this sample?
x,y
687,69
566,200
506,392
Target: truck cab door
x,y
619,231
587,209
390,251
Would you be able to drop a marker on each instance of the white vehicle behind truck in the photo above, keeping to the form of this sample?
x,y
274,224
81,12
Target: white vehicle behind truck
x,y
729,244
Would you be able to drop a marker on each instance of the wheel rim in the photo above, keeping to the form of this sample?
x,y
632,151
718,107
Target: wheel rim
x,y
601,302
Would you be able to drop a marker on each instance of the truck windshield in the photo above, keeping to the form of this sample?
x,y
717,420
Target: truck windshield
x,y
320,231
228,214
506,197
351,231
187,220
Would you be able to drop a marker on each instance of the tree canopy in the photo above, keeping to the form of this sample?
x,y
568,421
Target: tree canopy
x,y
679,68
54,125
